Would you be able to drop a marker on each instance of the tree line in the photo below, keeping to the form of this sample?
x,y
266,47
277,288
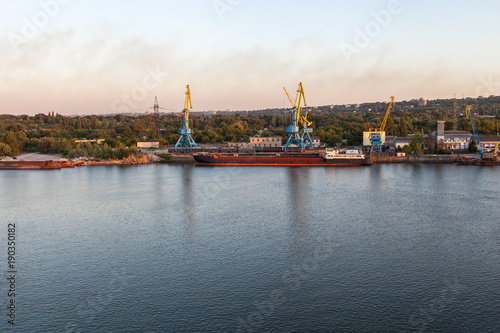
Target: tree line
x,y
55,133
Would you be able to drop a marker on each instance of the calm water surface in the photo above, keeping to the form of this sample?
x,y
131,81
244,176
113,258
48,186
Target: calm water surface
x,y
159,248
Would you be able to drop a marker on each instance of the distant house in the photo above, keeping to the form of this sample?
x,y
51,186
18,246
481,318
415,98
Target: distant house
x,y
266,142
97,141
146,145
270,142
398,142
401,141
422,102
238,144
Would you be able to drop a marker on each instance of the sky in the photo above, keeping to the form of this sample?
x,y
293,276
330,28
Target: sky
x,y
101,57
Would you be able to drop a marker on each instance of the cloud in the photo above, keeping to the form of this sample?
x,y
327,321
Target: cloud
x,y
62,72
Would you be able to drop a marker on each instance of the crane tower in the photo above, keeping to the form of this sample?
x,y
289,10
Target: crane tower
x,y
376,133
293,130
185,143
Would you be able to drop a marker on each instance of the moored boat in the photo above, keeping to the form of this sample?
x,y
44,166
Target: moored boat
x,y
67,164
29,165
330,157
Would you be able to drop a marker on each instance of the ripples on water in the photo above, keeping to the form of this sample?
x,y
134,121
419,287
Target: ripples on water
x,y
386,248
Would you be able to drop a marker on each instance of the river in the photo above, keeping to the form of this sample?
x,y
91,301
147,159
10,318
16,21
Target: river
x,y
164,248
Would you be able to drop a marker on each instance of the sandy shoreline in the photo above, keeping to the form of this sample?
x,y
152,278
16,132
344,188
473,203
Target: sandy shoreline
x,y
89,161
41,157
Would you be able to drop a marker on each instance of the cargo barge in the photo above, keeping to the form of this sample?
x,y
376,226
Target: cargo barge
x,y
477,162
330,157
29,165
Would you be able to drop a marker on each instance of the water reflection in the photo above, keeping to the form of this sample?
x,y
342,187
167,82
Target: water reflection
x,y
298,183
188,200
298,211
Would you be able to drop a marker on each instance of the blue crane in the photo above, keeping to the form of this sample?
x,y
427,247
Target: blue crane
x,y
477,139
185,143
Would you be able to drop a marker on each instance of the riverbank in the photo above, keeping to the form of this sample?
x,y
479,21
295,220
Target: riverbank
x,y
131,160
414,159
148,158
142,158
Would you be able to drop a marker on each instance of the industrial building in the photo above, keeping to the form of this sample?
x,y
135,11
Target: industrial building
x,y
490,142
266,142
451,140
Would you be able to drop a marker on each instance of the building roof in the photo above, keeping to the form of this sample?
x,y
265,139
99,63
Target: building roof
x,y
402,139
457,133
490,138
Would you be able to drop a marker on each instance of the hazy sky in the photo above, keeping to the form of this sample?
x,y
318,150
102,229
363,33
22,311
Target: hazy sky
x,y
89,56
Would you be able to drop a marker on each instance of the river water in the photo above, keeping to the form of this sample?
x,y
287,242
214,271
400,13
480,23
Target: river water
x,y
163,248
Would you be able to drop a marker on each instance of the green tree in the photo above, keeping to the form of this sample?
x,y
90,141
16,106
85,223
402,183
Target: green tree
x,y
472,147
406,149
416,143
402,127
11,140
430,142
5,149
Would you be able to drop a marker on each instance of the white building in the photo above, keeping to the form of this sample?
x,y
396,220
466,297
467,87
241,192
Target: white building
x,y
148,145
266,142
490,142
270,142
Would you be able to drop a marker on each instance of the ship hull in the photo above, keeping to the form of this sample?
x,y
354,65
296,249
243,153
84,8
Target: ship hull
x,y
477,162
282,159
29,165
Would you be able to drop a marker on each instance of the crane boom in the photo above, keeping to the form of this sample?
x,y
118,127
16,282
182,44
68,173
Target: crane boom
x,y
187,105
391,105
289,98
301,96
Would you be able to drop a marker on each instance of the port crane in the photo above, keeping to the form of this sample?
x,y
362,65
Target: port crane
x,y
185,143
293,130
376,134
477,139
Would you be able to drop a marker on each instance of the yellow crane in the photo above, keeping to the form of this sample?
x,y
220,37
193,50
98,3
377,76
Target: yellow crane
x,y
302,118
186,143
376,133
187,105
294,137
